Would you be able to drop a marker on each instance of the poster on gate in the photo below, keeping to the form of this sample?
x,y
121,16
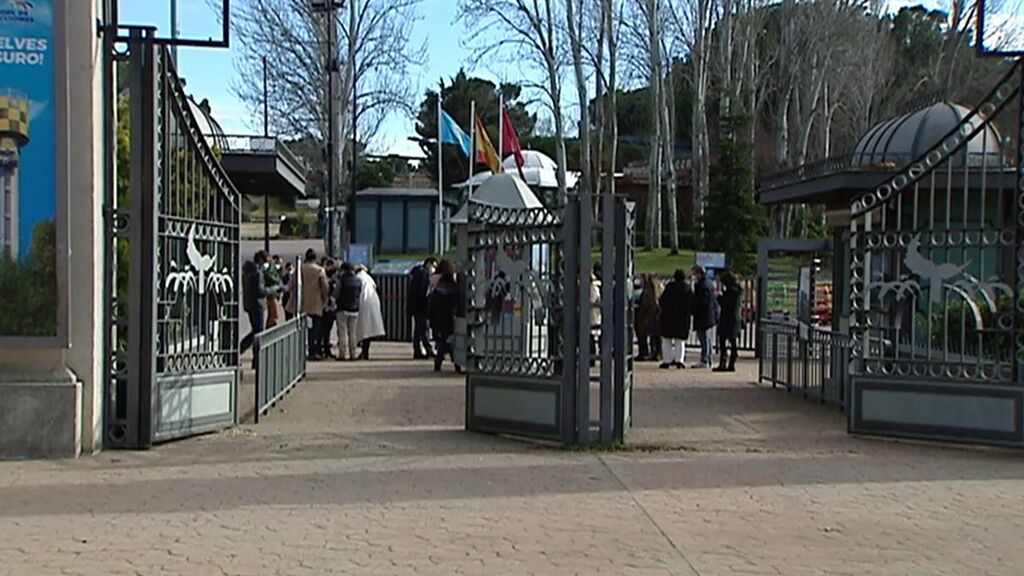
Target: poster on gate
x,y
32,172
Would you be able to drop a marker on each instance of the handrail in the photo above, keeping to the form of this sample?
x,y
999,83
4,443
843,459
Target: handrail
x,y
280,362
255,144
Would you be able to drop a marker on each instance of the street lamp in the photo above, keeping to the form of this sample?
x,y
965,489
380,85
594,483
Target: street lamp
x,y
331,7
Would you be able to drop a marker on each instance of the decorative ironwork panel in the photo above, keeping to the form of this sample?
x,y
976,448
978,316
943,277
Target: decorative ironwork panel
x,y
937,261
514,291
198,219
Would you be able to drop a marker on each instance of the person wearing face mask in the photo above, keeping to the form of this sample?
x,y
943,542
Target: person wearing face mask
x,y
254,294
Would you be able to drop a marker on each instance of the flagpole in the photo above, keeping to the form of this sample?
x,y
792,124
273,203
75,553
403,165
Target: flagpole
x,y
439,232
501,127
472,144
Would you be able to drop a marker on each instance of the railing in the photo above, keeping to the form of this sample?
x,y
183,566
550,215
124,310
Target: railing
x,y
264,145
393,290
816,366
280,362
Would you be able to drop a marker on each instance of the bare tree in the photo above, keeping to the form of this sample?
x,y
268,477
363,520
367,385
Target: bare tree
x,y
668,131
371,70
694,22
525,31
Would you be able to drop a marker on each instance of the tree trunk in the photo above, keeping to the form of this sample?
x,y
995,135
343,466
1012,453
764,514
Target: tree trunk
x,y
668,156
613,100
654,212
699,119
576,47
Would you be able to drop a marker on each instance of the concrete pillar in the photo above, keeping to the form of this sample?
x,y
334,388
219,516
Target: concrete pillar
x,y
51,400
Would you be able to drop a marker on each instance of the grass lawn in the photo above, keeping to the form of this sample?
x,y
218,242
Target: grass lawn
x,y
647,261
660,261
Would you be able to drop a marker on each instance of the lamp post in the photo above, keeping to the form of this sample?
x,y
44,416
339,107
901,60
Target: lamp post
x,y
331,7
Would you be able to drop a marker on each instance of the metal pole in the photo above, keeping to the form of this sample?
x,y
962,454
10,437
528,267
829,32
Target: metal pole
x,y
501,126
174,31
266,134
472,145
355,115
332,130
439,232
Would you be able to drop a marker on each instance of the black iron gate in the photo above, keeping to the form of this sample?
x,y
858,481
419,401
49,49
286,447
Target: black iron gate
x,y
937,289
534,347
173,264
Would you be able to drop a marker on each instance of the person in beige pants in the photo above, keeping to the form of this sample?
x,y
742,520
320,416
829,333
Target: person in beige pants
x,y
348,291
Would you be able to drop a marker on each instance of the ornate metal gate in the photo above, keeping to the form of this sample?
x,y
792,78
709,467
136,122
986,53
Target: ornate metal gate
x,y
530,370
938,286
173,263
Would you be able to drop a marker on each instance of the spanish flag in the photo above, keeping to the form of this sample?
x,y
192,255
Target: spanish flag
x,y
485,152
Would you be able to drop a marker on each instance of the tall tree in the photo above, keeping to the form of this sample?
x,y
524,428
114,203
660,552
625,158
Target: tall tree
x,y
370,72
456,96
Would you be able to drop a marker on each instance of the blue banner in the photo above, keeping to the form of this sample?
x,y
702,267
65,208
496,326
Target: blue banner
x,y
28,168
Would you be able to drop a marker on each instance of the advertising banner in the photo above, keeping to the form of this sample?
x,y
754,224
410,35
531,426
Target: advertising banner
x,y
30,303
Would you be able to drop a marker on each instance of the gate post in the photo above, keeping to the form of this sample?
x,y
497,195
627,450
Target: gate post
x,y
142,267
570,321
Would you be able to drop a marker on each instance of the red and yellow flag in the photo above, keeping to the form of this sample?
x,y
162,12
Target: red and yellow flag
x,y
485,152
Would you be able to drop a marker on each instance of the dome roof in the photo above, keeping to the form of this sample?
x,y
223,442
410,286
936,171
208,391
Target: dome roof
x,y
903,139
209,127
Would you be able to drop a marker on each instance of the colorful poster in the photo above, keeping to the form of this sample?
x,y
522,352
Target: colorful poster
x,y
28,170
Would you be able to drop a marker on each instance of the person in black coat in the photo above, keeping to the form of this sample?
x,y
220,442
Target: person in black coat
x,y
254,295
705,313
442,304
416,307
674,321
730,302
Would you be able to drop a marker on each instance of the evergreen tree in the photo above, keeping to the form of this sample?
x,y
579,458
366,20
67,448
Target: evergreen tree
x,y
733,221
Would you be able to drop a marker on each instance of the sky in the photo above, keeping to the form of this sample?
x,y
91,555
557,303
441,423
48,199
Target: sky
x,y
209,72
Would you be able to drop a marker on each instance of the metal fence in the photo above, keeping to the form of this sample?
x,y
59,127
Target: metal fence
x,y
281,362
816,366
393,289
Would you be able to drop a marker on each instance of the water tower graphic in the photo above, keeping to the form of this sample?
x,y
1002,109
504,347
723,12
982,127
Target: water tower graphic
x,y
13,137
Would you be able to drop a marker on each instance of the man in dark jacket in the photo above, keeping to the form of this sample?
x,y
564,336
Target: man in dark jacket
x,y
705,313
416,307
442,304
730,303
254,294
347,293
674,321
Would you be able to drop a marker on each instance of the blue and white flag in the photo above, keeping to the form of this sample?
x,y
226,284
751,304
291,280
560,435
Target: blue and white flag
x,y
452,134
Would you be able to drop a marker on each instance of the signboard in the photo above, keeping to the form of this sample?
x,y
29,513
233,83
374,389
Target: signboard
x,y
33,155
395,266
360,254
710,260
804,301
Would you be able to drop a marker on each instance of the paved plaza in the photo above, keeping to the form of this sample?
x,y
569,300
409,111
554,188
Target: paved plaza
x,y
365,469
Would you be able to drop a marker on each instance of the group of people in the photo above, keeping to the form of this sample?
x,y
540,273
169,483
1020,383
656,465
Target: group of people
x,y
329,293
666,315
432,301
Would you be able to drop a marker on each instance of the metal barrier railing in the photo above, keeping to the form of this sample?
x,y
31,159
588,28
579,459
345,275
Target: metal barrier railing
x,y
281,362
817,366
393,290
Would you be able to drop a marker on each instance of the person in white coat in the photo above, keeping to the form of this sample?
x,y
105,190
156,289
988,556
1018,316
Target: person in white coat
x,y
370,324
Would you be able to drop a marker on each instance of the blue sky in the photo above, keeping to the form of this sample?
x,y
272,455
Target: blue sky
x,y
209,72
